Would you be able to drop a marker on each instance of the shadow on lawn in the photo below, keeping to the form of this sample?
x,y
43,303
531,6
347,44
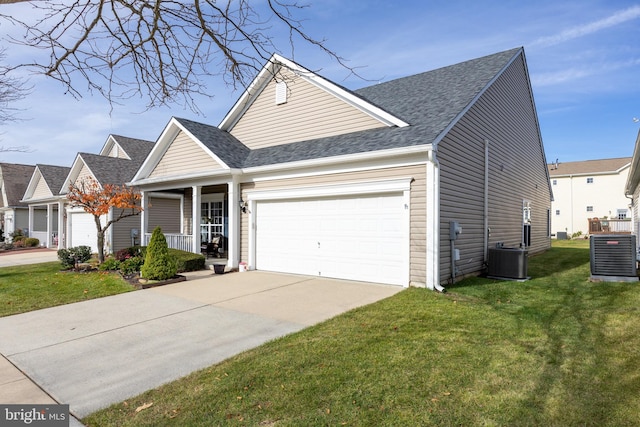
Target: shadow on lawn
x,y
553,261
587,374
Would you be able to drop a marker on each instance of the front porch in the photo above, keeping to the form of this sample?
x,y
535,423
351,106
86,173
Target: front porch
x,y
199,219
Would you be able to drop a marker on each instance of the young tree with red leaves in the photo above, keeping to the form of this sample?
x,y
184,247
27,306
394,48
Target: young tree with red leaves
x,y
98,200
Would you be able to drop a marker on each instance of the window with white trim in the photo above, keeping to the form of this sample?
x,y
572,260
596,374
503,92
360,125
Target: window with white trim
x,y
589,180
589,208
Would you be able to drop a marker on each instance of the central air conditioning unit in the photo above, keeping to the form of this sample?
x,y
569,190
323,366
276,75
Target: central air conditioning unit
x,y
613,257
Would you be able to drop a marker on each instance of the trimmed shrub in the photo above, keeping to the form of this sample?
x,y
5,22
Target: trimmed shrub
x,y
70,258
31,242
158,264
187,261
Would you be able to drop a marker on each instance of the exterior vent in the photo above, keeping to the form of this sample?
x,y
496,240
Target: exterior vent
x,y
281,93
613,257
507,263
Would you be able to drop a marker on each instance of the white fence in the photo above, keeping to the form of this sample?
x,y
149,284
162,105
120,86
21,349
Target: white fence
x,y
183,242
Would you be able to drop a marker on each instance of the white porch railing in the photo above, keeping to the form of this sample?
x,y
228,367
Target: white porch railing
x,y
183,242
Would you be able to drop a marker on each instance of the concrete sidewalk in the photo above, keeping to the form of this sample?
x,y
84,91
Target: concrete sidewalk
x,y
98,352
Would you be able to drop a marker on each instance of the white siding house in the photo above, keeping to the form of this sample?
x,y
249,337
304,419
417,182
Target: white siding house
x,y
588,189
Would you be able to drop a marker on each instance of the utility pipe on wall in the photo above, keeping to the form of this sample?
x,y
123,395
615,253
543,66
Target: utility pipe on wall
x,y
486,199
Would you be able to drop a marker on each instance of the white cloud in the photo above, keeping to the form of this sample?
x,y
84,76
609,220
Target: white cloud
x,y
590,28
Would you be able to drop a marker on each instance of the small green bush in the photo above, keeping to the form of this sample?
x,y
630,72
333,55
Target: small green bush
x,y
158,264
187,261
110,264
31,242
131,265
70,258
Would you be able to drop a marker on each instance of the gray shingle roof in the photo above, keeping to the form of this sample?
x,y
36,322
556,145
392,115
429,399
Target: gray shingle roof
x,y
54,176
110,170
429,102
16,180
137,149
117,171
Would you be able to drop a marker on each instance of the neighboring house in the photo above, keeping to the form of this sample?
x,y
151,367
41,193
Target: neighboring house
x,y
632,189
586,190
304,176
116,164
14,215
46,205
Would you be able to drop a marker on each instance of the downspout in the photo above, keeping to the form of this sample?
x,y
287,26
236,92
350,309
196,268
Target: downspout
x,y
486,199
433,223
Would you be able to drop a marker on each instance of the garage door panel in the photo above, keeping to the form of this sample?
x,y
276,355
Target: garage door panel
x,y
83,231
356,238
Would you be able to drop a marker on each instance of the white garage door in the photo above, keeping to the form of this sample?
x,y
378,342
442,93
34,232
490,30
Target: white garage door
x,y
83,231
356,238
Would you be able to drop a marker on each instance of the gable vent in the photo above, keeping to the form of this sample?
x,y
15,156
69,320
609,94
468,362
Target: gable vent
x,y
281,93
613,258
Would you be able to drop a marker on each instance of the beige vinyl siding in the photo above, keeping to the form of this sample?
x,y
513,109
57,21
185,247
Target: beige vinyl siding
x,y
84,174
504,115
164,213
184,156
42,190
417,215
121,233
309,113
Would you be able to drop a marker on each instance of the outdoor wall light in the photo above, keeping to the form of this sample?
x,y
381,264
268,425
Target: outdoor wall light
x,y
243,205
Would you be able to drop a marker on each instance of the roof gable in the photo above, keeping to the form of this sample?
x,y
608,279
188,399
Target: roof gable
x,y
185,140
309,104
15,179
46,182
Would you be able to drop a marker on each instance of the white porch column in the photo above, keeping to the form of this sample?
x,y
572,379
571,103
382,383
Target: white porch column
x,y
195,217
233,254
30,220
69,234
49,224
61,226
144,218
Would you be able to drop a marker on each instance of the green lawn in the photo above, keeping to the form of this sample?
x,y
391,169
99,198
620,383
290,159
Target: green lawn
x,y
32,287
557,350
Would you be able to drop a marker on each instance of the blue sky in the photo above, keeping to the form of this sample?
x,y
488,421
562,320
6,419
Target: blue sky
x,y
583,58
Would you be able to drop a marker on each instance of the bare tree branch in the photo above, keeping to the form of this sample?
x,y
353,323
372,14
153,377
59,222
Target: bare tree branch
x,y
163,51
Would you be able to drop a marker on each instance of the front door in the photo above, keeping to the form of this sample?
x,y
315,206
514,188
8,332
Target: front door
x,y
211,217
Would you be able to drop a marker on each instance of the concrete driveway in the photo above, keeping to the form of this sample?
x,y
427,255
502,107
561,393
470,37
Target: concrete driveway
x,y
95,353
28,256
